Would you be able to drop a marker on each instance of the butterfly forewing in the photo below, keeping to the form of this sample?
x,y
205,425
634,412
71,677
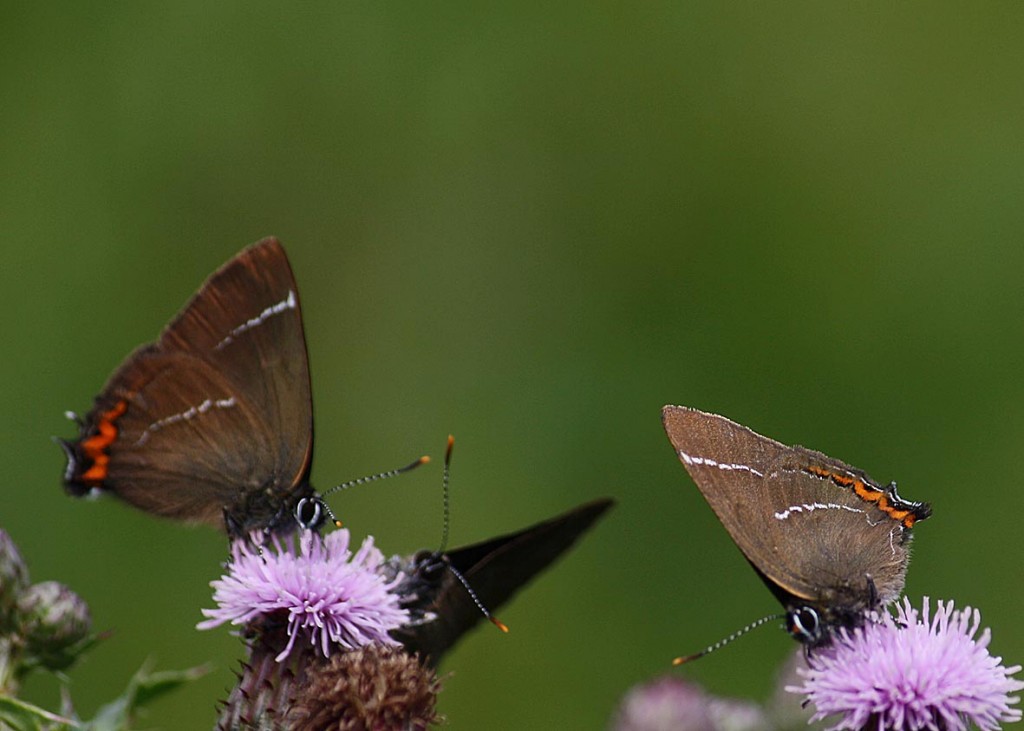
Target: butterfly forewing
x,y
496,569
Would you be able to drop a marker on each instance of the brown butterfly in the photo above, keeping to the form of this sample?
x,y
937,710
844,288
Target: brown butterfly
x,y
830,542
213,422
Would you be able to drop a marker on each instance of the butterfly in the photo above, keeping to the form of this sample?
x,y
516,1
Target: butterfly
x,y
442,609
830,543
213,422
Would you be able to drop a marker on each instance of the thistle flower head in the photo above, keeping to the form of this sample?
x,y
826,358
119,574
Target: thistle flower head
x,y
917,671
673,704
323,593
374,687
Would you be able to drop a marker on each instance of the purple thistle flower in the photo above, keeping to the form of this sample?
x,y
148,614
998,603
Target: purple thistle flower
x,y
665,703
911,673
673,704
323,592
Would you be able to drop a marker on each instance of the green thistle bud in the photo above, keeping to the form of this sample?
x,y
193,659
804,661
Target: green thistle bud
x,y
53,620
13,580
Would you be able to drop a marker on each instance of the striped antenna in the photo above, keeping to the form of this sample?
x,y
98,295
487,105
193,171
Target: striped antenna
x,y
363,480
447,502
722,643
444,542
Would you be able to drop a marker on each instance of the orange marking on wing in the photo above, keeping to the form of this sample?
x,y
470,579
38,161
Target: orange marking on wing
x,y
97,473
842,480
95,447
900,515
904,515
867,493
864,492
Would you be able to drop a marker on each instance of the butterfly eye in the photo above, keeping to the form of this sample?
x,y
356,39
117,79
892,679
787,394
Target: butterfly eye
x,y
804,624
309,513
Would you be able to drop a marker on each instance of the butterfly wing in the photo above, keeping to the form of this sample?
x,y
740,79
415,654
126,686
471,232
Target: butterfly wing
x,y
496,569
811,538
216,414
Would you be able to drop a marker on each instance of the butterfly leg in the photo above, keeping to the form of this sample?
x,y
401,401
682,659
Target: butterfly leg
x,y
873,598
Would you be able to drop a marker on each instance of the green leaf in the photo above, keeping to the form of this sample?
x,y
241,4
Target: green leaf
x,y
142,689
59,661
22,716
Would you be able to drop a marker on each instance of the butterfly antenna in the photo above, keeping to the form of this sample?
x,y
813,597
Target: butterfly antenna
x,y
444,541
330,514
722,643
363,480
379,476
444,489
476,600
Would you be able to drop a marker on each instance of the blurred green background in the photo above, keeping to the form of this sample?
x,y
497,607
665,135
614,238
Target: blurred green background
x,y
532,226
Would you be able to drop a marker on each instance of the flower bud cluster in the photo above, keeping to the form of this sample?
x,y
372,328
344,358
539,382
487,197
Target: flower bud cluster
x,y
42,625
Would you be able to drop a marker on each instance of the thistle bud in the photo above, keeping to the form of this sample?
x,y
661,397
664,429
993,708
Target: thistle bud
x,y
53,619
13,580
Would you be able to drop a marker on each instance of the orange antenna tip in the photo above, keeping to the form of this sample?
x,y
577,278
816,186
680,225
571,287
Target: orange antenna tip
x,y
725,641
373,478
338,524
448,452
499,624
